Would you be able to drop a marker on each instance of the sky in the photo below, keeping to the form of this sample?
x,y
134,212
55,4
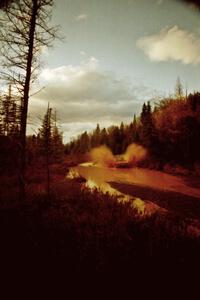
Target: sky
x,y
115,55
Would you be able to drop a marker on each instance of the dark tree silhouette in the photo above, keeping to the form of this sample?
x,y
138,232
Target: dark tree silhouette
x,y
46,142
24,30
147,130
9,114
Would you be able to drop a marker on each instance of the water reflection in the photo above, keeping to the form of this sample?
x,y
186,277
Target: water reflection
x,y
102,186
149,191
151,178
139,205
98,177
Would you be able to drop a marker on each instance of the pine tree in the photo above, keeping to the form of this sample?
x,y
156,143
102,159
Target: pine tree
x,y
178,89
84,142
135,136
10,115
104,137
122,139
96,136
46,143
147,129
143,113
57,139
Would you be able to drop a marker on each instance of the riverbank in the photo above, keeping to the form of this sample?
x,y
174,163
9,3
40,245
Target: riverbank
x,y
175,202
86,231
79,231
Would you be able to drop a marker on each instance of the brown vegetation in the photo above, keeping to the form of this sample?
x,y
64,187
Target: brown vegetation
x,y
89,231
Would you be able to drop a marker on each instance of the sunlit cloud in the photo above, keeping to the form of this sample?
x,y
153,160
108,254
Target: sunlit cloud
x,y
84,95
172,44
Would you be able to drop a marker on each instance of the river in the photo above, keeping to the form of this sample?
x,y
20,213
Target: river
x,y
150,190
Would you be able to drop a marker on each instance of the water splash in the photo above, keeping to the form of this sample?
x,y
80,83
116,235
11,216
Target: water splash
x,y
103,156
134,153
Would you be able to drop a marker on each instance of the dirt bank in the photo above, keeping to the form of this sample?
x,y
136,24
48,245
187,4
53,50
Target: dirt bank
x,y
185,205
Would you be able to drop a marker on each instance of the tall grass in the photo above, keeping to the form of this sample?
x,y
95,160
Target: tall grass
x,y
85,230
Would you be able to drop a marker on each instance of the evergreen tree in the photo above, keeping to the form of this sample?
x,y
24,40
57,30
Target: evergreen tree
x,y
84,142
104,137
147,129
122,138
46,143
96,137
135,135
194,101
57,140
178,89
9,115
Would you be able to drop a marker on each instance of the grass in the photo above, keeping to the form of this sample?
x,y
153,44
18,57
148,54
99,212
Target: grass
x,y
184,205
81,232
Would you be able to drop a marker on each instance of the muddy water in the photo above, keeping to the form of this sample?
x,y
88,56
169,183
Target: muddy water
x,y
101,177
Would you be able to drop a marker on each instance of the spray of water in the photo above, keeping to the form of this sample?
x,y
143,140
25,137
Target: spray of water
x,y
134,153
102,156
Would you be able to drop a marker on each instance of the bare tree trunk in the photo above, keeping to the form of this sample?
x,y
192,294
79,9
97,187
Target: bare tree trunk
x,y
25,102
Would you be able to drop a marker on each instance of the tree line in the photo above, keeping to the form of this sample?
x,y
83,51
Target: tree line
x,y
48,138
169,130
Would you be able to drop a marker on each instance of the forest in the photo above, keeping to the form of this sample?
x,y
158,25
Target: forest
x,y
170,131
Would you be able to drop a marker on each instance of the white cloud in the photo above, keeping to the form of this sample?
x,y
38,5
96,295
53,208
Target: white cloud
x,y
85,95
69,73
173,44
82,17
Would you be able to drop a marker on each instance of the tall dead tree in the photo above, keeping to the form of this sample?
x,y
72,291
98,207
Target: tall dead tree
x,y
25,29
